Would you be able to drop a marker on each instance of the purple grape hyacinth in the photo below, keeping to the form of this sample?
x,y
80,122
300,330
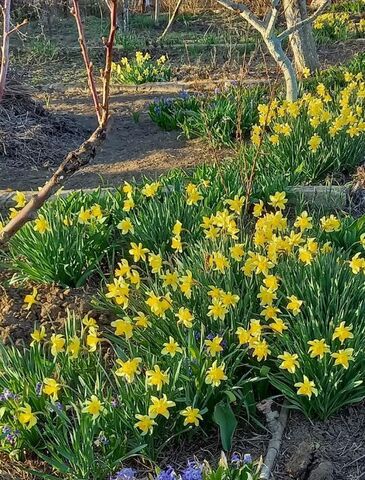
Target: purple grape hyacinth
x,y
192,472
168,474
125,474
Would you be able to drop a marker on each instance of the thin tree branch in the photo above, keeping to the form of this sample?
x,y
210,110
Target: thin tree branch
x,y
309,19
5,46
18,26
246,13
272,18
86,152
172,19
113,7
75,11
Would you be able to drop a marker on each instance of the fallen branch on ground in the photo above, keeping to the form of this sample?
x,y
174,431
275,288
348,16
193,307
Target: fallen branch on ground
x,y
276,424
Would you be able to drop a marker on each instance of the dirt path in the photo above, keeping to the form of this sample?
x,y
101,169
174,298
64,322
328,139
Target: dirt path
x,y
135,146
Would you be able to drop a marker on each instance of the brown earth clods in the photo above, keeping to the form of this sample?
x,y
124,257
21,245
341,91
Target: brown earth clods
x,y
324,450
51,309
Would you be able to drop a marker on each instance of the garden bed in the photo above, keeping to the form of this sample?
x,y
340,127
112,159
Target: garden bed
x,y
216,301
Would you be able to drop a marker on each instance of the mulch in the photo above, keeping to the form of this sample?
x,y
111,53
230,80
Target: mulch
x,y
31,136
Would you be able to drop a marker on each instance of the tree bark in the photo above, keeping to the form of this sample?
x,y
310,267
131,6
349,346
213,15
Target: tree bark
x,y
276,50
156,12
125,15
302,41
5,47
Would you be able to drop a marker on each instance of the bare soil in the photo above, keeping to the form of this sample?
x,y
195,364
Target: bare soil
x,y
135,146
339,441
51,309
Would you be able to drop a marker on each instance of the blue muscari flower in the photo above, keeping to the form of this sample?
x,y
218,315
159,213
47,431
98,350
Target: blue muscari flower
x,y
184,94
7,395
168,474
102,439
38,389
6,430
247,458
192,472
125,474
210,336
235,458
56,407
11,438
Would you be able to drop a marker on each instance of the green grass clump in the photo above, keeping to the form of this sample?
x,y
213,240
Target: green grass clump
x,y
220,118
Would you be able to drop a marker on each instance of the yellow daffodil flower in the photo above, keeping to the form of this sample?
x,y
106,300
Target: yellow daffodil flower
x,y
192,416
215,374
93,407
289,361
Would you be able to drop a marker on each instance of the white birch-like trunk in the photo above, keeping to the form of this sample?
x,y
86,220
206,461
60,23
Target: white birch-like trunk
x,y
156,12
276,50
302,41
5,47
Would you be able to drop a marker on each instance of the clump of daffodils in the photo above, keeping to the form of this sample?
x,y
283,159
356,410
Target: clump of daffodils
x,y
337,26
141,69
194,306
319,133
193,319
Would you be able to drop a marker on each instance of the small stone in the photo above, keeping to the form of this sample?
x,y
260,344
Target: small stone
x,y
323,471
298,465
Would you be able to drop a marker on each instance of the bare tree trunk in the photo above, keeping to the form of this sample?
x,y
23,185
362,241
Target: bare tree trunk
x,y
156,12
7,32
302,41
276,50
273,40
125,15
5,47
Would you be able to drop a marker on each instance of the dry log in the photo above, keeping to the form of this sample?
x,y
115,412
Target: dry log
x,y
276,424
